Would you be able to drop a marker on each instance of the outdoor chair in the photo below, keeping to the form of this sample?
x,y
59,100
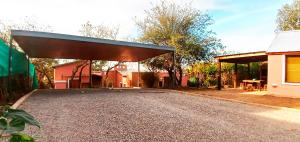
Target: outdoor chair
x,y
250,87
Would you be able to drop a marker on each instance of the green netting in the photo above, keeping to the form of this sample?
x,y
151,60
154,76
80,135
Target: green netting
x,y
19,64
32,73
3,59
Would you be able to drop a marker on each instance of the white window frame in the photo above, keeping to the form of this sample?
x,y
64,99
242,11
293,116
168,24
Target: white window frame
x,y
284,73
69,79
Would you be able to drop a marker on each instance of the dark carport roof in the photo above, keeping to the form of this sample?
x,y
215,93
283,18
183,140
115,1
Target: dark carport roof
x,y
53,45
259,56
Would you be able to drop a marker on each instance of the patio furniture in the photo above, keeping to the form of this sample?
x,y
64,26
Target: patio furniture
x,y
252,82
249,87
265,87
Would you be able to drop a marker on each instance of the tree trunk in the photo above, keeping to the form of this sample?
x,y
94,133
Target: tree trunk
x,y
179,80
75,70
80,74
49,80
107,72
170,71
42,74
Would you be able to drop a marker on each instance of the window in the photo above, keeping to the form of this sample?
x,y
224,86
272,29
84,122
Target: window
x,y
292,69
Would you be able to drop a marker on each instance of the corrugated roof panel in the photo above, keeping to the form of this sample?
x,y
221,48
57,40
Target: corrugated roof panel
x,y
287,41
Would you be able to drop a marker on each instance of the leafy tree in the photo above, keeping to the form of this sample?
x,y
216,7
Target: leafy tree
x,y
204,72
98,31
28,24
288,17
182,27
45,71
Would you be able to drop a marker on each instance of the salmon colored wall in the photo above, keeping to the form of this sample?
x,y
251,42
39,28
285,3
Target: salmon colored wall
x,y
134,78
185,78
60,85
115,77
65,71
275,84
184,81
118,77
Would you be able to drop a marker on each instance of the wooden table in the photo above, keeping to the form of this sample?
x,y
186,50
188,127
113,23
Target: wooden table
x,y
258,82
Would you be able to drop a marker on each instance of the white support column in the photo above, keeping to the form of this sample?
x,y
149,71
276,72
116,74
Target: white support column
x,y
28,72
90,74
139,75
219,75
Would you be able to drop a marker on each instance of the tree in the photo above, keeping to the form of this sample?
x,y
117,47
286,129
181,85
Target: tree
x,y
110,66
43,66
79,67
100,31
28,24
288,17
183,28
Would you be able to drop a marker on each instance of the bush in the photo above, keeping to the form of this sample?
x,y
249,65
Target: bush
x,y
13,122
193,82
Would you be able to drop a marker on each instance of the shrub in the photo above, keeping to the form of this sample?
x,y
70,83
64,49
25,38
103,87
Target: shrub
x,y
13,121
193,82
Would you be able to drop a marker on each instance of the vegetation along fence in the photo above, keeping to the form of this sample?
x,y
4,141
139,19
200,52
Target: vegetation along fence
x,y
21,77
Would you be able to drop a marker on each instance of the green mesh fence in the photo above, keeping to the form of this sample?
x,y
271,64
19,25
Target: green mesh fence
x,y
32,73
19,64
4,51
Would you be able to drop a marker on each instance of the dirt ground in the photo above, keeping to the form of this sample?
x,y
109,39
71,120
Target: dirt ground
x,y
260,97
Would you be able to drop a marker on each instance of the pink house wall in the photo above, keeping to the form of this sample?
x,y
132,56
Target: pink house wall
x,y
114,77
60,85
64,72
161,75
184,80
276,83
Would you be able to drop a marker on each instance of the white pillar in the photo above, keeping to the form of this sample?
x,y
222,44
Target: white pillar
x,y
139,76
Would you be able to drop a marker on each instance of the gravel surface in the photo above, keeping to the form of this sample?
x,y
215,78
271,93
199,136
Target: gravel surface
x,y
153,115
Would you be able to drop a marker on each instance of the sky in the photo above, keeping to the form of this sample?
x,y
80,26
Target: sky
x,y
242,25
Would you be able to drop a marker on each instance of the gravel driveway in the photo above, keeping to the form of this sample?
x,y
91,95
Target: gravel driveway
x,y
153,115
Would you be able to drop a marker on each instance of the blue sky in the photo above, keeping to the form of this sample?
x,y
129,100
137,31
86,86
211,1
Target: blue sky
x,y
242,25
246,25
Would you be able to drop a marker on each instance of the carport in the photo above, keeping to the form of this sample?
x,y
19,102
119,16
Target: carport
x,y
63,46
241,58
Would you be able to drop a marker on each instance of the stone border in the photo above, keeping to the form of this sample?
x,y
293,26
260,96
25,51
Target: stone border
x,y
236,101
22,99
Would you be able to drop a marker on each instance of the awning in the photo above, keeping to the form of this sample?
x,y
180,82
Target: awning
x,y
259,56
62,46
